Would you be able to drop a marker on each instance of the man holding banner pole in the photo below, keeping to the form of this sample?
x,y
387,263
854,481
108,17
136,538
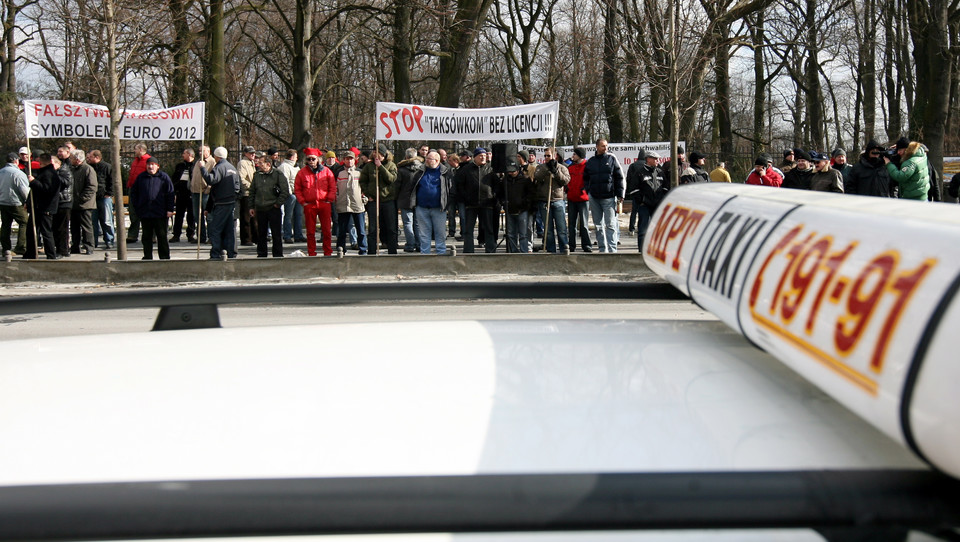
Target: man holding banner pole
x,y
377,182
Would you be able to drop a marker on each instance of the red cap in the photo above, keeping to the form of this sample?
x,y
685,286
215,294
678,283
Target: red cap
x,y
311,152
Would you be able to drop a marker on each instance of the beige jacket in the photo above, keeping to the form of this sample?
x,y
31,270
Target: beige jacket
x,y
197,184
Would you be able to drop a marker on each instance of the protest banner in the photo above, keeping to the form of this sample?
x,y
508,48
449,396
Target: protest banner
x,y
62,119
406,122
626,153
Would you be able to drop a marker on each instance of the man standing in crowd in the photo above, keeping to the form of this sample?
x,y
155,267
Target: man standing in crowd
x,y
138,166
45,191
550,179
825,178
720,174
330,161
695,173
268,192
519,194
184,201
652,186
431,197
603,181
839,162
912,175
152,193
633,191
200,191
61,220
407,169
292,210
103,222
224,183
84,203
577,203
246,168
14,190
476,197
26,164
668,166
350,207
449,167
789,161
316,190
380,175
799,176
869,176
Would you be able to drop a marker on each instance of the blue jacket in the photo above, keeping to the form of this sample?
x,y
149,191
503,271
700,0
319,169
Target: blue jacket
x,y
602,177
152,195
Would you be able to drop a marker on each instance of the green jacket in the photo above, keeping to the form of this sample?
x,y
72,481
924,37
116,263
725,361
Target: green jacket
x,y
913,178
268,190
370,178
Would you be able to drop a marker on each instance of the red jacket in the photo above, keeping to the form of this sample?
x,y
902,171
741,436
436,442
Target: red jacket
x,y
575,191
769,178
312,187
138,166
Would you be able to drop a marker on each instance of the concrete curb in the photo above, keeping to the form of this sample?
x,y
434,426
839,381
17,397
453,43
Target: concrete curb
x,y
630,266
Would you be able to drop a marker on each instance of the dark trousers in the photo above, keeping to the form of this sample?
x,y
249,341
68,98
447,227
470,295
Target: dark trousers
x,y
184,209
389,213
248,226
272,217
44,228
81,230
155,227
488,224
61,231
577,222
11,214
373,231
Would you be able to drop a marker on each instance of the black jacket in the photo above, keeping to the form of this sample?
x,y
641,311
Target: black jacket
x,y
633,179
104,179
406,171
152,195
46,190
473,188
602,177
518,192
66,185
870,178
653,186
798,179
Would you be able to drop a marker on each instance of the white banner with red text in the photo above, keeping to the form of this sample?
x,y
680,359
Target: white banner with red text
x,y
61,119
408,122
857,294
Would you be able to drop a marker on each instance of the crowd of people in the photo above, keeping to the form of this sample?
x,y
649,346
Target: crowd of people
x,y
63,202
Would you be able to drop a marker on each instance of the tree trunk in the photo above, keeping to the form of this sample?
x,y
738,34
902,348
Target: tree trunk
x,y
893,85
760,84
611,95
216,128
113,104
302,75
721,71
402,53
928,24
457,48
868,71
814,97
182,42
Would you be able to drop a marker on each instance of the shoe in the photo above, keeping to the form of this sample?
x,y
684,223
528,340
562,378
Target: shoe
x,y
192,240
301,240
247,244
459,238
288,240
585,249
175,239
355,247
87,251
409,250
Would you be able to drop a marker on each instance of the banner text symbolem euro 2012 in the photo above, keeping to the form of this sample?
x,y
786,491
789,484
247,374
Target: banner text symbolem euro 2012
x,y
62,119
408,122
859,295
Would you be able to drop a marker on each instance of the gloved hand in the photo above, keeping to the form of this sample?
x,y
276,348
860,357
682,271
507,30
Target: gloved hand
x,y
552,166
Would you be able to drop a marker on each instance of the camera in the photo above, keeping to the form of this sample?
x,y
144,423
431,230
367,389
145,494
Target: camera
x,y
891,154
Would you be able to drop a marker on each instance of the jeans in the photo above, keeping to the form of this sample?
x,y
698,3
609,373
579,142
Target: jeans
x,y
577,222
518,239
432,224
292,220
558,223
604,213
103,222
411,231
200,206
222,235
643,220
354,223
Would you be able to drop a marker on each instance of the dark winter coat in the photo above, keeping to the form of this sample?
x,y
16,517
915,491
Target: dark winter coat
x,y
152,195
870,178
602,177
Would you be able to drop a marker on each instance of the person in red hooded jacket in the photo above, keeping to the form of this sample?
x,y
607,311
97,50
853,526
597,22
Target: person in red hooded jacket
x,y
577,200
316,190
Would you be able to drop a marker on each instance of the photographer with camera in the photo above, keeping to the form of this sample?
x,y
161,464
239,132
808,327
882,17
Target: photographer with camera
x,y
869,176
912,175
